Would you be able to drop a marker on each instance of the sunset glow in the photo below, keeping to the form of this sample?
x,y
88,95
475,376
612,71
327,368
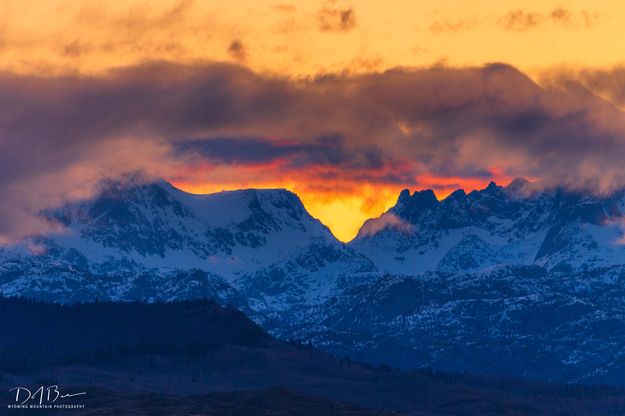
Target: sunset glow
x,y
316,207
345,212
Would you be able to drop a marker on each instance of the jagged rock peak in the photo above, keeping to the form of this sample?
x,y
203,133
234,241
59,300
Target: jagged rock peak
x,y
424,197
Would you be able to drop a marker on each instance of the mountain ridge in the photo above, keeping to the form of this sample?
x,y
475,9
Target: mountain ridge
x,y
133,228
429,270
519,223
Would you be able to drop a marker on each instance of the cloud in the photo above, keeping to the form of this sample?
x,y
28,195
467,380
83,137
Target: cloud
x,y
142,17
332,19
75,49
385,221
127,34
445,26
225,124
3,34
236,50
327,150
608,83
521,20
285,7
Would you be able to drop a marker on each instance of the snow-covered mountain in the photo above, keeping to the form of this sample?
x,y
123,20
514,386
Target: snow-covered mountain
x,y
509,280
516,224
509,320
261,243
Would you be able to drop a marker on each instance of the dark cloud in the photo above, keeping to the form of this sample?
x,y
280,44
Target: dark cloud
x,y
236,50
608,83
327,150
521,20
239,150
331,19
58,135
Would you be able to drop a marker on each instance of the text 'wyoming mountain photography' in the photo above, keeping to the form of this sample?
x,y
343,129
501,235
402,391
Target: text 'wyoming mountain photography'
x,y
312,207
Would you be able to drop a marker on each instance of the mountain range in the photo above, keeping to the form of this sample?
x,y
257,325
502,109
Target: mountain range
x,y
515,280
518,224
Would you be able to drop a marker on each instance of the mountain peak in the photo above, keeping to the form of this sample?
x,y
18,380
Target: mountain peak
x,y
491,186
410,207
457,194
404,196
518,181
423,198
518,186
419,199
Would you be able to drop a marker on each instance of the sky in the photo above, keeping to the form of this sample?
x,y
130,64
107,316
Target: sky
x,y
344,103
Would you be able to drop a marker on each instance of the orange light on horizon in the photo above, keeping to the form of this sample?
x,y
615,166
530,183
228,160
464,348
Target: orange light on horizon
x,y
343,212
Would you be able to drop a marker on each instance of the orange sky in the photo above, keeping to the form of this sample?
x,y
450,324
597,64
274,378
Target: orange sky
x,y
303,38
308,37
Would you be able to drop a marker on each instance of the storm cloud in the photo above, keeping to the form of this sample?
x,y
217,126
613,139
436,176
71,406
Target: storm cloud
x,y
58,136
